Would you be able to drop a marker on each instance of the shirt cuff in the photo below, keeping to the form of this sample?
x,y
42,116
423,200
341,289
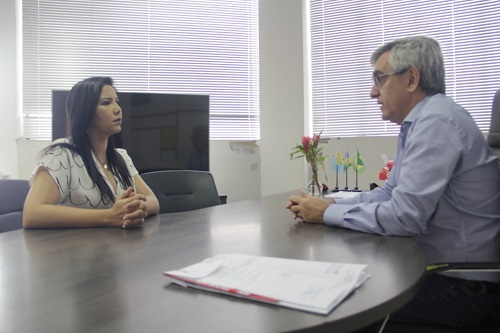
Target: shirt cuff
x,y
334,214
343,201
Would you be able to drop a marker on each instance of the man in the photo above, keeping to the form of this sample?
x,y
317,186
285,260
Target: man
x,y
444,188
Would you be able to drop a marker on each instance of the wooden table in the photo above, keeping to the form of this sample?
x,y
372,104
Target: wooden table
x,y
110,280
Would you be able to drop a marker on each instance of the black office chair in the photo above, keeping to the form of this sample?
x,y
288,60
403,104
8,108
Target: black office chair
x,y
182,190
13,192
493,139
494,133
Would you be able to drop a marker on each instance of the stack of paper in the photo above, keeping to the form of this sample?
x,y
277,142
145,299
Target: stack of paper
x,y
305,285
340,195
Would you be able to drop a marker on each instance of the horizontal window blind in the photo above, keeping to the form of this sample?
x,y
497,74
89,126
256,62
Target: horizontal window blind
x,y
345,33
175,46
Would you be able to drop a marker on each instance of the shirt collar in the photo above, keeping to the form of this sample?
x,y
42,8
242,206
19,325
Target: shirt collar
x,y
410,118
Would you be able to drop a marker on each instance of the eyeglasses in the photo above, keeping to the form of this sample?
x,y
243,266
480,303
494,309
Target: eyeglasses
x,y
379,78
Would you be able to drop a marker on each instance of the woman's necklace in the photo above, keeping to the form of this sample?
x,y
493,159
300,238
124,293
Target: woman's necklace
x,y
104,165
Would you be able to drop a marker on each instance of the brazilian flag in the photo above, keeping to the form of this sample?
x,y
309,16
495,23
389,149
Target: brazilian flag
x,y
359,165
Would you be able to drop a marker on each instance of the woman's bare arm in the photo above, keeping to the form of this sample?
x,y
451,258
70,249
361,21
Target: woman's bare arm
x,y
41,209
152,204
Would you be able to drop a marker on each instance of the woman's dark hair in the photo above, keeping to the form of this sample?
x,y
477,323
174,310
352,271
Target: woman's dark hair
x,y
81,106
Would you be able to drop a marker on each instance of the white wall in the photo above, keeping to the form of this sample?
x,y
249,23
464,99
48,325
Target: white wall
x,y
242,170
8,127
281,94
283,103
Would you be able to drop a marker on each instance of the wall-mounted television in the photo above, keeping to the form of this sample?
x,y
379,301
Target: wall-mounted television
x,y
159,131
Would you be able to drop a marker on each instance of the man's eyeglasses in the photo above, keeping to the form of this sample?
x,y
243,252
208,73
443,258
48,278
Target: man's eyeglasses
x,y
379,78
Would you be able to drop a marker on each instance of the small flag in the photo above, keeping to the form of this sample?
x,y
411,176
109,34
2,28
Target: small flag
x,y
359,165
337,163
347,160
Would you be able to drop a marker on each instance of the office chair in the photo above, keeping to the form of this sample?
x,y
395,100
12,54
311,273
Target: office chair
x,y
493,139
13,192
182,190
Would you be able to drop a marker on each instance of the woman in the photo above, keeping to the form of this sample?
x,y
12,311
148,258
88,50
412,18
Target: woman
x,y
86,171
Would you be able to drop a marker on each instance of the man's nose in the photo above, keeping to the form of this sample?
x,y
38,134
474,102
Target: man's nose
x,y
374,92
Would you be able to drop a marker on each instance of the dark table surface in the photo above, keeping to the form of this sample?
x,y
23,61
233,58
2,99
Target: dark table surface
x,y
110,280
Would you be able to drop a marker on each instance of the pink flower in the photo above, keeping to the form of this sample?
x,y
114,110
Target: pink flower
x,y
312,153
315,140
306,143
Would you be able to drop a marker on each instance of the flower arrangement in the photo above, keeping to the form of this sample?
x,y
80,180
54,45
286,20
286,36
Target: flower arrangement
x,y
309,149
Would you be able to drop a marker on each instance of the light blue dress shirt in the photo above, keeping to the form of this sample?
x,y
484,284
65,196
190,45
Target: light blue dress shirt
x,y
444,190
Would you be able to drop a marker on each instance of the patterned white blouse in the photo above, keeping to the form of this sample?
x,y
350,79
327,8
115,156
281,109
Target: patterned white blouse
x,y
76,188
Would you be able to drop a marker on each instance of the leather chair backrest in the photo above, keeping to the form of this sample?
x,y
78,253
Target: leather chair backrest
x,y
13,192
182,190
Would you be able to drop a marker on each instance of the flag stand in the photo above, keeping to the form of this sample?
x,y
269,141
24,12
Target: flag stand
x,y
346,189
356,188
358,166
336,189
336,163
347,163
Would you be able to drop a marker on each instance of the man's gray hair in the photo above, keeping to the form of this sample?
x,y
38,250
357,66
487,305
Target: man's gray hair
x,y
421,52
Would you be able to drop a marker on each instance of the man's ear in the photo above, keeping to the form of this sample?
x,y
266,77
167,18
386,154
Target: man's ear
x,y
413,79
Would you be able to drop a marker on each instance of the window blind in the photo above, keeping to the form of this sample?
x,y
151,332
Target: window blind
x,y
345,33
175,46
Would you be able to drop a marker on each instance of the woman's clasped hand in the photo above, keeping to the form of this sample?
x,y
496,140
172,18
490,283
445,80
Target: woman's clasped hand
x,y
130,210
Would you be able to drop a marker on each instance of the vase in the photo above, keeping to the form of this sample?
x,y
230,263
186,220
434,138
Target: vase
x,y
314,187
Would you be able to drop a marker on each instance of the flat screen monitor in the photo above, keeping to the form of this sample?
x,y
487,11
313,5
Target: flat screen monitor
x,y
159,131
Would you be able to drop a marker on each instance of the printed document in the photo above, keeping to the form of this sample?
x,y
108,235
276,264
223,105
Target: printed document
x,y
312,286
340,195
